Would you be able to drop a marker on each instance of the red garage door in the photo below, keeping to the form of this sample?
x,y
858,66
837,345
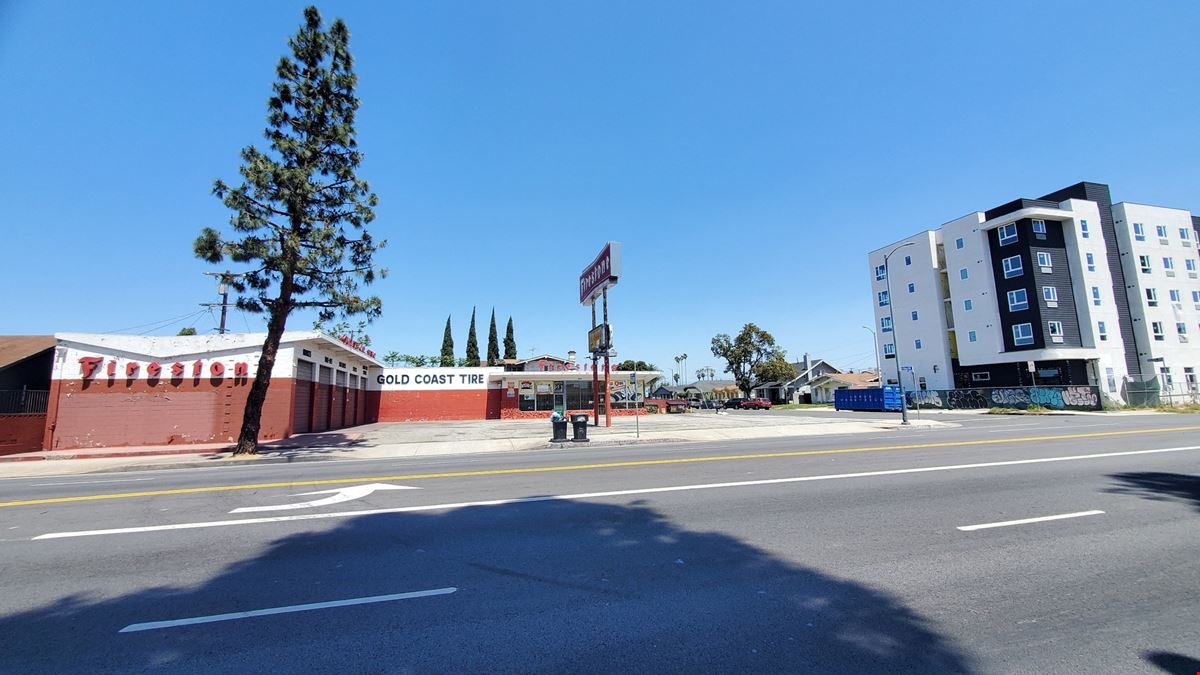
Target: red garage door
x,y
322,399
339,402
302,406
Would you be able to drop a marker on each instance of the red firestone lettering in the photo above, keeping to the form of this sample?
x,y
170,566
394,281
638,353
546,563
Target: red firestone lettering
x,y
216,368
131,369
89,365
177,369
153,369
196,368
112,368
241,369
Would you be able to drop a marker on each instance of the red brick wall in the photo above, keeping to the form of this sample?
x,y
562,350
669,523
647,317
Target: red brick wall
x,y
433,404
118,412
21,433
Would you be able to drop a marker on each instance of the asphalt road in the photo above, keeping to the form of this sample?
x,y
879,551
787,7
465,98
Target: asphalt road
x,y
832,554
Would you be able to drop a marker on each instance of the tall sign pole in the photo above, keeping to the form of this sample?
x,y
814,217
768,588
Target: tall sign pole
x,y
607,368
594,282
595,378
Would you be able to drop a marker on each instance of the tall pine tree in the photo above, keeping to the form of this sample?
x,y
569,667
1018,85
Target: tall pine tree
x,y
493,349
300,213
472,344
447,359
510,343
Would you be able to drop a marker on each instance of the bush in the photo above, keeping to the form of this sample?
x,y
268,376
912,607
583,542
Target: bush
x,y
651,408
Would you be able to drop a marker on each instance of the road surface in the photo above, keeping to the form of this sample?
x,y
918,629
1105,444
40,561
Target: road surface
x,y
1010,544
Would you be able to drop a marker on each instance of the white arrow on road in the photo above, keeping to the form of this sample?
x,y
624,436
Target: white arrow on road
x,y
339,495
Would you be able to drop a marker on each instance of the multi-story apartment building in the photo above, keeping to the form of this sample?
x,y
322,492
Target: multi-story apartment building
x,y
1064,289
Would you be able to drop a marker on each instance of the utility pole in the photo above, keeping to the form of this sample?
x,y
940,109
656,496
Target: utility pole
x,y
223,289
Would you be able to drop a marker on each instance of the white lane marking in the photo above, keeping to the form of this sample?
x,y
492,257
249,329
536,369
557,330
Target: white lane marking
x,y
343,494
1026,521
91,482
152,625
590,495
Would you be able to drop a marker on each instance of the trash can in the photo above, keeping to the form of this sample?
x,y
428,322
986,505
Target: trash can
x,y
560,430
580,422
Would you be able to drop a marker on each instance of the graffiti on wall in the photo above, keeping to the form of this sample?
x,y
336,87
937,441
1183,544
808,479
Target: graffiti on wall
x,y
1055,398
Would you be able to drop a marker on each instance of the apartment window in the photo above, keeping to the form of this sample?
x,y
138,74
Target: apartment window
x,y
885,324
1039,226
1139,232
1161,230
880,272
1022,334
1144,263
1165,373
1056,331
1091,262
884,301
912,288
1018,300
967,305
1083,229
1096,295
1174,293
1050,295
1189,376
1156,327
1044,261
1169,266
971,337
1190,265
916,344
1111,376
1102,330
914,315
1008,234
1013,267
981,377
889,349
1181,330
959,243
962,273
1152,297
907,260
1183,234
1196,297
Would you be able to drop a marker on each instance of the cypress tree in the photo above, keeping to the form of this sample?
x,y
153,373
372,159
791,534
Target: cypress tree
x,y
447,359
493,349
510,343
472,344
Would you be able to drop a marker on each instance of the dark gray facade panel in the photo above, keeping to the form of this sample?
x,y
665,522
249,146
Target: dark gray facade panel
x,y
1099,193
1060,278
1032,315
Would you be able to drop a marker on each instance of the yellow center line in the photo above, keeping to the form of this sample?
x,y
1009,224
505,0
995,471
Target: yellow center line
x,y
582,467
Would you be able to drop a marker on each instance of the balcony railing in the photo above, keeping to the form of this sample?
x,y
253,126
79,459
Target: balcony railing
x,y
25,401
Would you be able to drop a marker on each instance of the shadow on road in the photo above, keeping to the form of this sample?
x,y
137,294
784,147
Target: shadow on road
x,y
1176,487
546,587
1176,664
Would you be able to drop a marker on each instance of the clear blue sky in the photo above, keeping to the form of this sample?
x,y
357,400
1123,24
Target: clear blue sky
x,y
747,155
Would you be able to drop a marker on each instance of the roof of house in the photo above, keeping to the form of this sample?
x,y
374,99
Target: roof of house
x,y
15,348
813,364
854,380
706,386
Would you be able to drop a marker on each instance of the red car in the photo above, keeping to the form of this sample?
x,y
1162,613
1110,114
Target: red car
x,y
755,403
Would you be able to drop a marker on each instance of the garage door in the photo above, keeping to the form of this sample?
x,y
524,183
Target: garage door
x,y
339,402
302,408
322,399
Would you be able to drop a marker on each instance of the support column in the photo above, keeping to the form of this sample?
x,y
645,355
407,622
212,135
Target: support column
x,y
607,369
595,378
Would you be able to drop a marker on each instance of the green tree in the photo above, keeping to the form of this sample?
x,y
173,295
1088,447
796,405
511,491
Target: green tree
x,y
392,359
300,214
447,358
472,344
418,361
752,357
493,348
358,334
510,343
630,364
187,330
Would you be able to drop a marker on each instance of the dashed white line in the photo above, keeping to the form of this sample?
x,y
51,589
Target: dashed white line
x,y
1026,521
593,495
232,616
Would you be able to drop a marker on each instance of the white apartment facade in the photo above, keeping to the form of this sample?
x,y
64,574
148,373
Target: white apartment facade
x,y
1040,291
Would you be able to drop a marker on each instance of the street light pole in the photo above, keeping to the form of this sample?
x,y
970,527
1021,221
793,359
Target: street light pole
x,y
887,279
875,341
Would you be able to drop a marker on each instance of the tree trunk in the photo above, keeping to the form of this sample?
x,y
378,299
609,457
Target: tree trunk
x,y
252,417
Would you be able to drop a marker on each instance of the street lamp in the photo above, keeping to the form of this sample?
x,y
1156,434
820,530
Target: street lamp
x,y
875,341
887,279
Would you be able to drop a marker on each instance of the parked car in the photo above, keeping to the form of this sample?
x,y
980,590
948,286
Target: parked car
x,y
734,402
755,404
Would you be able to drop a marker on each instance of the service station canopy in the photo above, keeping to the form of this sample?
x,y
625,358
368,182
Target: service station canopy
x,y
601,274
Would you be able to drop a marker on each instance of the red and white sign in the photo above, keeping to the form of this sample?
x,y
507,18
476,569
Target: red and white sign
x,y
601,274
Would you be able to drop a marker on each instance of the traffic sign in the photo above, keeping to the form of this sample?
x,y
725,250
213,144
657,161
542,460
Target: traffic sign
x,y
907,369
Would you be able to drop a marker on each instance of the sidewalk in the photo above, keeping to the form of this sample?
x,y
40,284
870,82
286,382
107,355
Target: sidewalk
x,y
423,439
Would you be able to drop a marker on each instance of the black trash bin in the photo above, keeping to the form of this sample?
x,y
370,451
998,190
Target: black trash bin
x,y
579,423
560,430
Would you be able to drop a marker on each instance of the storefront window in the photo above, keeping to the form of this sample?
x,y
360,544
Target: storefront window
x,y
579,395
545,395
527,396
